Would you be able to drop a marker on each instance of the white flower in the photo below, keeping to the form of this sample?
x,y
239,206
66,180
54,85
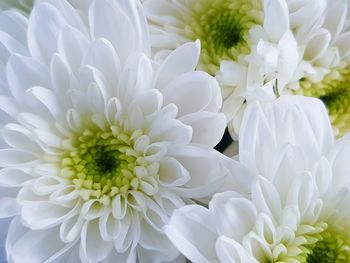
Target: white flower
x,y
324,69
98,146
244,43
299,204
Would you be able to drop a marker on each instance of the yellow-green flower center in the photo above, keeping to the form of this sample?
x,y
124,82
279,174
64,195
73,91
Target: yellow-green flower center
x,y
223,27
334,91
103,163
333,246
321,243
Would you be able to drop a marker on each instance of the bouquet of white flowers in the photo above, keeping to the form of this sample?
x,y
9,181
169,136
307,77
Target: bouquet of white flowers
x,y
154,131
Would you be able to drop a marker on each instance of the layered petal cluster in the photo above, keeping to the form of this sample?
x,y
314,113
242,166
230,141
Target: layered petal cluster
x,y
99,143
299,202
324,69
245,44
260,49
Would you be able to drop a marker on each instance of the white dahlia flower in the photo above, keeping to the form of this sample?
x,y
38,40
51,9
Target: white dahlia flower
x,y
99,147
299,204
324,39
245,44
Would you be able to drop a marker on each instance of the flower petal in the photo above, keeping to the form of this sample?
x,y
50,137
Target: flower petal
x,y
92,247
192,231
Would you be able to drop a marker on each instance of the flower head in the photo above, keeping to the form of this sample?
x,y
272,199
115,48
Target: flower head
x,y
323,70
245,44
298,207
100,144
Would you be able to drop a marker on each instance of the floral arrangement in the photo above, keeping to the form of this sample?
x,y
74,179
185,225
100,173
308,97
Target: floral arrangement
x,y
112,120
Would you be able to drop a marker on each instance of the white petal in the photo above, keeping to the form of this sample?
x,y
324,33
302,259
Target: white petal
x,y
155,246
92,247
276,21
93,209
208,128
192,231
14,177
317,45
70,228
15,23
204,168
47,184
170,130
102,56
109,227
61,78
13,157
72,45
339,159
184,88
183,59
33,73
113,110
172,173
229,250
113,24
9,207
129,233
119,206
44,26
343,44
236,216
266,198
44,215
48,99
155,216
29,246
4,226
8,108
149,102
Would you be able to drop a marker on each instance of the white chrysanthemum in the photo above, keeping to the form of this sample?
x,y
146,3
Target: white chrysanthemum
x,y
244,43
299,204
98,146
324,70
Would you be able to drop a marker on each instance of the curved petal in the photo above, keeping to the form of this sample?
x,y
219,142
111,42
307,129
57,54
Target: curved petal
x,y
92,247
192,231
229,250
208,127
183,59
205,169
199,85
28,247
235,215
276,21
44,26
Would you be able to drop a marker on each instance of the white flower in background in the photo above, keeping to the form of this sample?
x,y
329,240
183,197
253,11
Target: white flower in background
x,y
24,5
244,43
324,39
98,147
299,204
